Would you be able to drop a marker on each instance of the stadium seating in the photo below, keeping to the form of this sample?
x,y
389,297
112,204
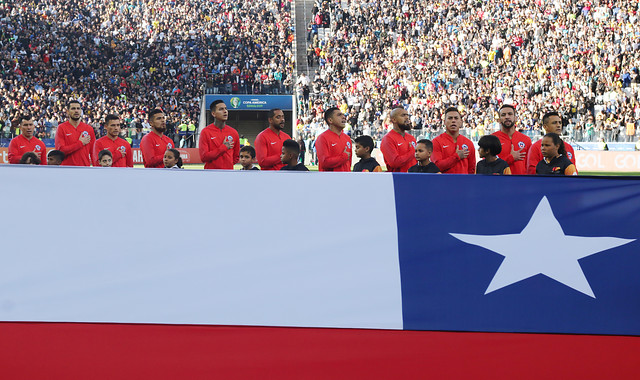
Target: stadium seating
x,y
581,59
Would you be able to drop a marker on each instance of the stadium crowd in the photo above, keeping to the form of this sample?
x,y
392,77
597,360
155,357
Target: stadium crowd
x,y
121,57
580,58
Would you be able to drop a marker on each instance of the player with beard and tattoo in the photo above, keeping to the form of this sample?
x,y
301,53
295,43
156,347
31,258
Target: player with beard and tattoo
x,y
268,144
74,138
399,147
219,143
452,152
515,145
154,144
551,123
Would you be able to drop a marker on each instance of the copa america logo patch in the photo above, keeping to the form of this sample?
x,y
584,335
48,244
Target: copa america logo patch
x,y
465,146
521,144
85,134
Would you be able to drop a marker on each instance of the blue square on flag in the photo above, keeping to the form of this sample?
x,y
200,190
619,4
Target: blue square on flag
x,y
519,254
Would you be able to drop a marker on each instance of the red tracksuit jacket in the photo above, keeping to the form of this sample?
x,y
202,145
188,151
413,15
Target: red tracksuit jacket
x,y
153,148
447,160
269,148
330,148
67,141
213,152
116,147
519,141
399,151
21,145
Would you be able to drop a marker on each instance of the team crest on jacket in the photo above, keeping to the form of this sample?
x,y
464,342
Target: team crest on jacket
x,y
465,146
37,147
230,138
521,144
569,155
85,133
413,144
170,146
348,144
122,149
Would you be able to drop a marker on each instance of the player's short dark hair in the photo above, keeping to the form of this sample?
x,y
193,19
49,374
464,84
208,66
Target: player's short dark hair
x,y
213,105
56,153
176,154
292,146
427,143
452,109
366,142
547,115
249,149
104,153
30,158
329,113
491,144
272,113
557,141
73,101
507,106
110,117
154,112
24,117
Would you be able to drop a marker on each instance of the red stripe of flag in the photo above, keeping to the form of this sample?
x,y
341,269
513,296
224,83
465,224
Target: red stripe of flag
x,y
123,351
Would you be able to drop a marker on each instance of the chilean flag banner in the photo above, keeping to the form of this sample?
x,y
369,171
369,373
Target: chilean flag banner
x,y
520,254
166,273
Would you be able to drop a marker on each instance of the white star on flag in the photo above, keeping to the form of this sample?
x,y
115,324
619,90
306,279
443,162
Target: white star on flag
x,y
542,248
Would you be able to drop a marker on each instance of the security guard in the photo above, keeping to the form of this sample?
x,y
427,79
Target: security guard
x,y
603,145
191,135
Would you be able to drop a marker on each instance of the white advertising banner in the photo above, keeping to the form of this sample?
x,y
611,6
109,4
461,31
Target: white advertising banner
x,y
607,161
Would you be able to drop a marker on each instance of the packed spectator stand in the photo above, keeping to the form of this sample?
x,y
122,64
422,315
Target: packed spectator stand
x,y
580,58
125,57
367,57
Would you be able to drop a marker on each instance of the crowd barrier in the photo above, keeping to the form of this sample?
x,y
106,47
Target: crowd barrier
x,y
164,289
